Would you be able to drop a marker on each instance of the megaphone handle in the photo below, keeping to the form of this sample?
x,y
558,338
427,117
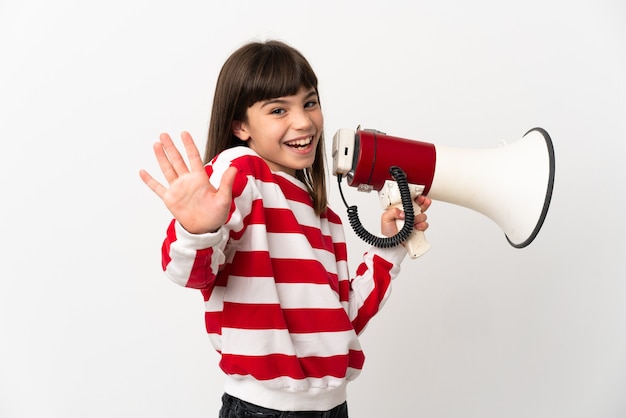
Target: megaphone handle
x,y
416,244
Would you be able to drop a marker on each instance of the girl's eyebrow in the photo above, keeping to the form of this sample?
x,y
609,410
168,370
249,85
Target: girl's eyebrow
x,y
282,100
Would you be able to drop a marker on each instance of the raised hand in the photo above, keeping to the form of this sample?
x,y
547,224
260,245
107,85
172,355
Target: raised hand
x,y
191,198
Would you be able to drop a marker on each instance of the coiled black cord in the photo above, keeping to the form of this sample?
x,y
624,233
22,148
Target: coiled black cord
x,y
409,215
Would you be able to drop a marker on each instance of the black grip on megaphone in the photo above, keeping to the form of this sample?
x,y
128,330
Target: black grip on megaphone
x,y
409,216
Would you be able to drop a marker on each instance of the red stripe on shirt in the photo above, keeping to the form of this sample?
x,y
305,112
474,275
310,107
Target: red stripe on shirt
x,y
278,365
317,239
341,251
251,264
356,359
344,290
305,321
371,305
253,316
283,221
254,166
292,191
271,316
167,244
201,276
213,322
289,270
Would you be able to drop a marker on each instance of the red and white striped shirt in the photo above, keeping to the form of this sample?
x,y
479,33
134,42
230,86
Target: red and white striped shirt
x,y
281,306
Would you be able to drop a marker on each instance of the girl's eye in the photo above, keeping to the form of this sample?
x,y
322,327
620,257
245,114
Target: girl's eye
x,y
312,103
278,111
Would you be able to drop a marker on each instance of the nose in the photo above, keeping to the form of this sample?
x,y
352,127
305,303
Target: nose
x,y
301,120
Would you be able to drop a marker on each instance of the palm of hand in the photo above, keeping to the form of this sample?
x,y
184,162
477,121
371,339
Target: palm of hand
x,y
191,198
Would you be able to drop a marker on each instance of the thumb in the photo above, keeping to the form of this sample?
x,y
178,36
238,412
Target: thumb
x,y
228,179
391,214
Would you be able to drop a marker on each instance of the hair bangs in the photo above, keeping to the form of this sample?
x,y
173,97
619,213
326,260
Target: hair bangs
x,y
276,74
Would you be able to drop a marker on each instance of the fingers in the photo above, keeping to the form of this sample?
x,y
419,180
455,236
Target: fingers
x,y
421,226
154,185
174,163
228,178
423,202
388,226
391,215
420,218
195,161
171,161
164,162
225,190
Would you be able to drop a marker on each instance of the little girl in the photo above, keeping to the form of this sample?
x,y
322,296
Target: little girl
x,y
253,232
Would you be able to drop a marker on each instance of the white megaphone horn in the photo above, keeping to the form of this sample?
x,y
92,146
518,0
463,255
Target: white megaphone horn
x,y
511,184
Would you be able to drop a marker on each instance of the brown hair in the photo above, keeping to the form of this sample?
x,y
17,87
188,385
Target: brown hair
x,y
260,71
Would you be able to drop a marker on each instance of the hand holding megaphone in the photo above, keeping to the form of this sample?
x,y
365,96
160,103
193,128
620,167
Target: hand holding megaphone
x,y
390,197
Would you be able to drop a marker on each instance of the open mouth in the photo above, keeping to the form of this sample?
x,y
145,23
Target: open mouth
x,y
300,143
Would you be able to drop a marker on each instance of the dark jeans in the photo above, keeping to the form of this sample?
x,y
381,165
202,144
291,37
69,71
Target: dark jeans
x,y
236,408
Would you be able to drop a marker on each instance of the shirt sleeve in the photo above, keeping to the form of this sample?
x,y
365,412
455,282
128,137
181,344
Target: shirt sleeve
x,y
194,260
371,286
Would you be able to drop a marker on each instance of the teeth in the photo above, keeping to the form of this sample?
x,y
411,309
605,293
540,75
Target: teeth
x,y
300,142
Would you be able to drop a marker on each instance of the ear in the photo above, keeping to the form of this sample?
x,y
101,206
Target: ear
x,y
240,131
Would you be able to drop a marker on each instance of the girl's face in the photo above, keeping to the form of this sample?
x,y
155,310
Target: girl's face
x,y
284,131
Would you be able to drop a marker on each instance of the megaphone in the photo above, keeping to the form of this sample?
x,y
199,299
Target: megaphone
x,y
511,184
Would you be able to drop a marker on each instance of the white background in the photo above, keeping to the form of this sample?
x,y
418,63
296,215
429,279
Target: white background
x,y
90,327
